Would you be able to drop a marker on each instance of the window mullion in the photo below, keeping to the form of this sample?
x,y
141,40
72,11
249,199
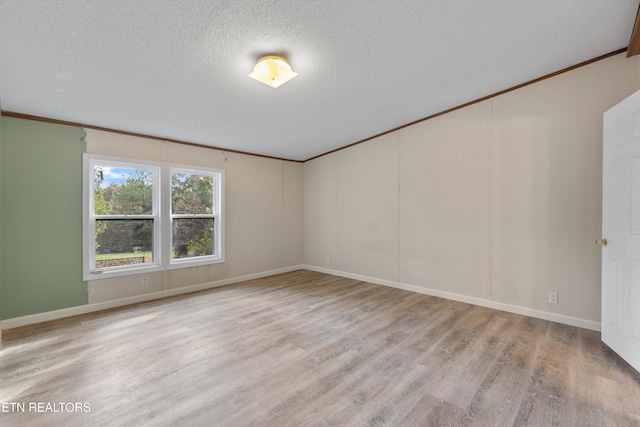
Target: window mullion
x,y
115,217
165,215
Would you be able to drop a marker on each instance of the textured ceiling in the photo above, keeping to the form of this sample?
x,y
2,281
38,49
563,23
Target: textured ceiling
x,y
178,69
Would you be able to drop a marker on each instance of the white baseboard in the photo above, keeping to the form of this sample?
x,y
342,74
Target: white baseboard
x,y
545,315
89,308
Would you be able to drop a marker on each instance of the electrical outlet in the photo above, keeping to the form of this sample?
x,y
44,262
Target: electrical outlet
x,y
326,259
145,281
553,297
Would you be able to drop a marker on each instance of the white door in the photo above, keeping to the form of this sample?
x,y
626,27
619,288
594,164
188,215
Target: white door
x,y
621,228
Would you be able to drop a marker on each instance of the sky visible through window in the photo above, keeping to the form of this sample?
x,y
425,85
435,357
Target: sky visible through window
x,y
114,175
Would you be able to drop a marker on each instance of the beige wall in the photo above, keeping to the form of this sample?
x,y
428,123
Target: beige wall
x,y
499,201
263,214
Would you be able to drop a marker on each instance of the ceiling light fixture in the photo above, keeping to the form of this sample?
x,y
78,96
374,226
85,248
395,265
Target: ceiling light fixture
x,y
273,71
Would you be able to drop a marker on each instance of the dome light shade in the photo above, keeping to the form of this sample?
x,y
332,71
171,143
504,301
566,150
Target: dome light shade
x,y
273,71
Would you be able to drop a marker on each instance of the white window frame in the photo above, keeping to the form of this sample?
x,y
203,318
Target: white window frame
x,y
218,189
162,217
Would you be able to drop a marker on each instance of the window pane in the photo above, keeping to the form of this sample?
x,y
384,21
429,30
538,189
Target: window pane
x,y
122,191
191,194
123,242
192,237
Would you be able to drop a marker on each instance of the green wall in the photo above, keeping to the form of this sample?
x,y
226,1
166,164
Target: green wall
x,y
40,217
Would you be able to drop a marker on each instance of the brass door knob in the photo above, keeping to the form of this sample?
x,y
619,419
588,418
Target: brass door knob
x,y
602,241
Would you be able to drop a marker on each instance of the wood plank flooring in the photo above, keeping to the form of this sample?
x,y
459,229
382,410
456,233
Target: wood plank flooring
x,y
310,349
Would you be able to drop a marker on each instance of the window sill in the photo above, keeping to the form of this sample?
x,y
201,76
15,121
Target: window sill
x,y
185,263
153,268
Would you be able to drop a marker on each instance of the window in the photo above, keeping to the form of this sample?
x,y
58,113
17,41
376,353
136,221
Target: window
x,y
124,215
145,216
194,208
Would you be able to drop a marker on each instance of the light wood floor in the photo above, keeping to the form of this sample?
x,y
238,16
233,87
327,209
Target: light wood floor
x,y
309,349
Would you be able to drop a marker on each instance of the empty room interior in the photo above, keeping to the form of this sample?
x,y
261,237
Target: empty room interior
x,y
305,213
